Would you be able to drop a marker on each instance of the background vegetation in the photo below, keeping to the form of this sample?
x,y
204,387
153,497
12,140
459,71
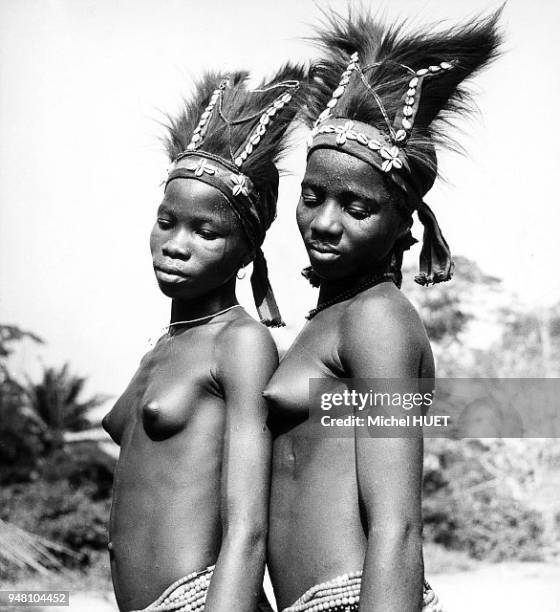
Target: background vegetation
x,y
490,499
54,494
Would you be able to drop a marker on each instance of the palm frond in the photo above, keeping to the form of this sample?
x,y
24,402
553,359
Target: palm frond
x,y
26,550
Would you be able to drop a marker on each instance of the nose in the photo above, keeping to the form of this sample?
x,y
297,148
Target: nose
x,y
326,220
177,246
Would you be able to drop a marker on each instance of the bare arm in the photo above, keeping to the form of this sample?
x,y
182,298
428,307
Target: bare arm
x,y
247,361
382,340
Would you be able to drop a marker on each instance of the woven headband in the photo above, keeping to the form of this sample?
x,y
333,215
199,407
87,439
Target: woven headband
x,y
237,188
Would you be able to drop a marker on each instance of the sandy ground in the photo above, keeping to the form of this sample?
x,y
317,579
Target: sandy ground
x,y
507,587
511,587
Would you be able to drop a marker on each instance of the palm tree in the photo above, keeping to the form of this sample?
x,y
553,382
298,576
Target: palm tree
x,y
56,400
21,433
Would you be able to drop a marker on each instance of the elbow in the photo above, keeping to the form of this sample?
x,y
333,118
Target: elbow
x,y
251,538
405,535
257,539
399,546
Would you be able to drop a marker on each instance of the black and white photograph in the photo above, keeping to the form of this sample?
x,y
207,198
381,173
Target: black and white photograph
x,y
279,308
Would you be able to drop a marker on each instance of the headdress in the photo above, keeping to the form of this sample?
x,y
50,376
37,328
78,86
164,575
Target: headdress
x,y
382,95
231,136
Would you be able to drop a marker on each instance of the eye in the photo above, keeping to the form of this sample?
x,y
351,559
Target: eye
x,y
358,209
164,223
358,212
308,197
207,234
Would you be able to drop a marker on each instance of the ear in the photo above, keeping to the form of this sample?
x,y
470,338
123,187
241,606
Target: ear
x,y
247,258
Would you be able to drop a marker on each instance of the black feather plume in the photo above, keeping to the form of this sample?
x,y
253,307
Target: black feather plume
x,y
180,127
388,55
242,108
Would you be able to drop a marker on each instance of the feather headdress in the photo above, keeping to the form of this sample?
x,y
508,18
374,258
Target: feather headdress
x,y
383,94
231,136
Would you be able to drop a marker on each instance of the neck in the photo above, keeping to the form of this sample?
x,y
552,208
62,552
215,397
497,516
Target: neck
x,y
330,289
218,299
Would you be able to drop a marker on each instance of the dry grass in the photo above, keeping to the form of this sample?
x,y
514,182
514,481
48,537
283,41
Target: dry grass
x,y
26,550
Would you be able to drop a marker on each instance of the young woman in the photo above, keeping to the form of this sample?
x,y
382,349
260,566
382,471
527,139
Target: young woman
x,y
345,512
188,521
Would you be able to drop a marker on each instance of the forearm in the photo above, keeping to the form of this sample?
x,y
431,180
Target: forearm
x,y
393,571
238,577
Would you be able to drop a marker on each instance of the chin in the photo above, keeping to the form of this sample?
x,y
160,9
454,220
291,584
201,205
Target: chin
x,y
328,273
176,291
339,272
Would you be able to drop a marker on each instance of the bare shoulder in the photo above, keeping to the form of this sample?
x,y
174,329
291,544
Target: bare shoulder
x,y
381,326
246,343
245,332
383,307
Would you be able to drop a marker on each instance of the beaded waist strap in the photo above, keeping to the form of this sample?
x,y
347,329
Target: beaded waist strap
x,y
342,594
187,594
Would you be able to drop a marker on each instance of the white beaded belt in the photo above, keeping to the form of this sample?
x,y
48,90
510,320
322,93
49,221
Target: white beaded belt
x,y
342,594
188,594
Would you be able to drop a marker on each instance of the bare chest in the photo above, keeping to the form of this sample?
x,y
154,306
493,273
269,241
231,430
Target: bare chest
x,y
173,383
313,355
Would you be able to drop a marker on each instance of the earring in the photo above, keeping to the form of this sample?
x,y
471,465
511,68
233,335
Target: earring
x,y
241,273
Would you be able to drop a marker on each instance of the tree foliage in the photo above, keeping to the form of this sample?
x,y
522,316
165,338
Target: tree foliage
x,y
55,498
481,495
57,402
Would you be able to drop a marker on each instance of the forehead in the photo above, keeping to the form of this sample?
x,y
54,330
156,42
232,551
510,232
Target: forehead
x,y
337,170
190,196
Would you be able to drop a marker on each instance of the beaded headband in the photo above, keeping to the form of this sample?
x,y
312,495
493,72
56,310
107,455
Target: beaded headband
x,y
237,188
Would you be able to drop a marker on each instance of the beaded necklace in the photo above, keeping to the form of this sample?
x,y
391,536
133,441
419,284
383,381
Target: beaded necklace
x,y
350,293
214,314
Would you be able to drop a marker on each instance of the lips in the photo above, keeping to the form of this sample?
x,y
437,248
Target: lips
x,y
169,274
322,250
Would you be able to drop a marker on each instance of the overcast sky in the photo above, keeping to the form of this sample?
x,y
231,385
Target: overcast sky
x,y
82,87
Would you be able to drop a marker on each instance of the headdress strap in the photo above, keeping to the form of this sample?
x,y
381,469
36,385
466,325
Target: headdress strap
x,y
436,264
263,295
